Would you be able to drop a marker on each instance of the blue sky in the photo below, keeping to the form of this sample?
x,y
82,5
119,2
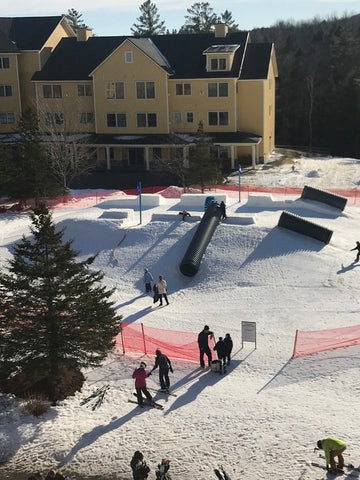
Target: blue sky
x,y
115,17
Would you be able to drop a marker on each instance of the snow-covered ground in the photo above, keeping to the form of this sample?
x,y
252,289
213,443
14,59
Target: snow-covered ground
x,y
262,419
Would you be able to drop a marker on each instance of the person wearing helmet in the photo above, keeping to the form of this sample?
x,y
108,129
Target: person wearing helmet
x,y
333,447
164,364
140,375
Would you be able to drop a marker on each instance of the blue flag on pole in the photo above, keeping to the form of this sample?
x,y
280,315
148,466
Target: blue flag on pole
x,y
138,188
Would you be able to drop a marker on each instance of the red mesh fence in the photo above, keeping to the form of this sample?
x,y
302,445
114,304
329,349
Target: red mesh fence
x,y
136,337
320,340
85,200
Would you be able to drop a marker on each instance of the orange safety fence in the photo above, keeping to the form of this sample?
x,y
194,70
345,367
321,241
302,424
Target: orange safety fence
x,y
139,338
89,199
316,341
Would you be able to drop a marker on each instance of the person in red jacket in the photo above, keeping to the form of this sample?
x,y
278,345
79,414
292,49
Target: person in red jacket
x,y
140,375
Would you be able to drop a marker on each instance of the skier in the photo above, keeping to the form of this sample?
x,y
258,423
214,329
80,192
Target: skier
x,y
138,466
148,278
164,364
223,210
221,351
184,214
163,470
203,338
357,247
333,447
140,375
162,287
229,346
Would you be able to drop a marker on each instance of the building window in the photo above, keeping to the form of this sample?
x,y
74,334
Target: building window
x,y
85,90
7,118
115,90
116,120
5,91
54,118
218,90
183,89
86,117
128,57
4,62
189,117
145,89
177,118
146,120
218,118
52,91
218,64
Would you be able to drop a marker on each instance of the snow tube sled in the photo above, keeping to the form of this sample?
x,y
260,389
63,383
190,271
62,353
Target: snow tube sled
x,y
216,366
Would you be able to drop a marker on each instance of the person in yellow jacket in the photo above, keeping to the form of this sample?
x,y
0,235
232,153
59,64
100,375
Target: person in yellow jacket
x,y
333,447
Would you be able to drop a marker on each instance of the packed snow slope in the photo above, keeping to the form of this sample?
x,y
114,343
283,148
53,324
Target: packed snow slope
x,y
260,420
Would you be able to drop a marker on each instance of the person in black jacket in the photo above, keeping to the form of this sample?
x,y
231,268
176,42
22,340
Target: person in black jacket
x,y
164,364
357,247
221,350
138,466
203,343
229,346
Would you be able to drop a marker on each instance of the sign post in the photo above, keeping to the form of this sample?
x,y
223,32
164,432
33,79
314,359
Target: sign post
x,y
248,332
239,171
138,190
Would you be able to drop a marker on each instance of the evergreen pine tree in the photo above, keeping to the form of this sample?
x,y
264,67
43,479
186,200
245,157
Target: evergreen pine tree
x,y
201,18
149,21
25,167
75,20
203,169
54,312
227,18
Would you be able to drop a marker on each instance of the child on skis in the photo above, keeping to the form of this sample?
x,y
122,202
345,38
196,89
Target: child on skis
x,y
140,375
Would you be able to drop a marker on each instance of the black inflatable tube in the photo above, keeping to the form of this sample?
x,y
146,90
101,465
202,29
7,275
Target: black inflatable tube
x,y
323,196
190,263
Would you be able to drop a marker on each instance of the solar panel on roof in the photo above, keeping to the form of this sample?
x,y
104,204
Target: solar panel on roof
x,y
221,49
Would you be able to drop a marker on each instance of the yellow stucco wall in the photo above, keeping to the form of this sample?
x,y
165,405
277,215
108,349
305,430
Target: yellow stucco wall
x,y
200,104
71,105
11,104
142,68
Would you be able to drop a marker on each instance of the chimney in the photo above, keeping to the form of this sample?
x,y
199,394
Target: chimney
x,y
221,30
83,34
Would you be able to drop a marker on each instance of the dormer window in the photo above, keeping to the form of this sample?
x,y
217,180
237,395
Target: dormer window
x,y
218,64
219,58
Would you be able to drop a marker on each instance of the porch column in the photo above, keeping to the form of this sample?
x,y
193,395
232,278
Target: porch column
x,y
232,156
147,158
186,157
253,155
108,163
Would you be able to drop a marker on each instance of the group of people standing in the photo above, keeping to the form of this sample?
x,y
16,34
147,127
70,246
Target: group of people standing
x,y
223,347
159,288
140,375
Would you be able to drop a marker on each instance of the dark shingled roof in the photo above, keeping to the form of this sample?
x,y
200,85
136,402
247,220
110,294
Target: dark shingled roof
x,y
6,45
29,33
256,62
179,55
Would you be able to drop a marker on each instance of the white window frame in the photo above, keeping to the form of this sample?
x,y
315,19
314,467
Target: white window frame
x,y
86,118
218,124
111,91
7,118
4,91
183,89
86,88
218,86
117,116
4,62
215,64
177,118
128,56
53,89
147,114
189,117
145,84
